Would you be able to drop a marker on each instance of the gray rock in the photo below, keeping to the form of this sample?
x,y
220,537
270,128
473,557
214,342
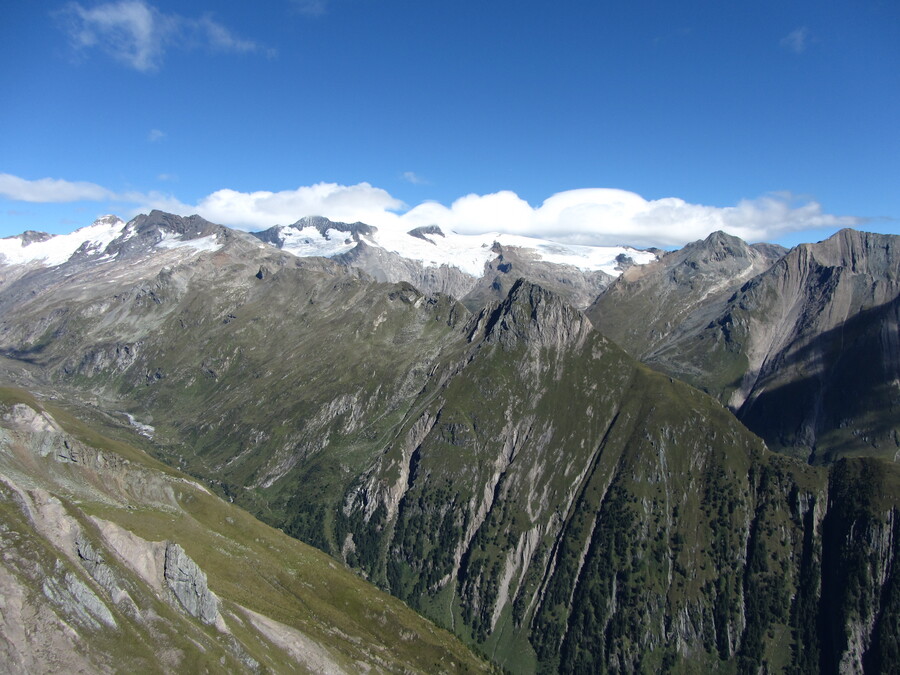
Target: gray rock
x,y
76,599
188,582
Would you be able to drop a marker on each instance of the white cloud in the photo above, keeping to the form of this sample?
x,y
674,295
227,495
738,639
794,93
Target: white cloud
x,y
263,209
796,40
601,216
51,190
219,37
608,216
587,216
57,191
156,135
138,34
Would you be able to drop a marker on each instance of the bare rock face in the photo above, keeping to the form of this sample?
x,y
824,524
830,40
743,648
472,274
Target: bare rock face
x,y
531,315
650,305
78,600
804,349
390,267
188,582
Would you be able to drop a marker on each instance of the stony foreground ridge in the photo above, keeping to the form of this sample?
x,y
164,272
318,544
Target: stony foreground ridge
x,y
511,472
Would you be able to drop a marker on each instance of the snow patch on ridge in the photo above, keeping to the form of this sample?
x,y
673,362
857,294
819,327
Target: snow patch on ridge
x,y
57,249
201,244
308,241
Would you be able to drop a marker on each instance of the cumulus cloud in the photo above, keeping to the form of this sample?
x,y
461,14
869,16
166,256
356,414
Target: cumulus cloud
x,y
138,34
609,216
797,40
600,216
51,190
263,209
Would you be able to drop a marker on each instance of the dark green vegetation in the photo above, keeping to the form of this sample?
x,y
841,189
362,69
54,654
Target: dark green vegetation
x,y
512,474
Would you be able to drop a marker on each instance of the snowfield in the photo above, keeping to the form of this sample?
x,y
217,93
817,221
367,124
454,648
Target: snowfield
x,y
469,253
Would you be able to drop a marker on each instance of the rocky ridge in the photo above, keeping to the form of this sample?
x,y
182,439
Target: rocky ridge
x,y
804,352
473,269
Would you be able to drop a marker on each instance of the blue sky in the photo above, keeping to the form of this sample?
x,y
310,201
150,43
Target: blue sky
x,y
772,120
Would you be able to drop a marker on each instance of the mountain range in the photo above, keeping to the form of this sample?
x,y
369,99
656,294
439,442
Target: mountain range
x,y
576,459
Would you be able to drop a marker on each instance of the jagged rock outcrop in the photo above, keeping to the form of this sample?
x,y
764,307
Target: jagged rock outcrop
x,y
188,582
532,316
420,232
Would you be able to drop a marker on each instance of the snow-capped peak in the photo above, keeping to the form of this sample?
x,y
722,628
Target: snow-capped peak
x,y
431,247
109,237
51,250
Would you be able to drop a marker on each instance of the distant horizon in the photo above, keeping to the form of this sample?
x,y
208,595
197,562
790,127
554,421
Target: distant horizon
x,y
793,239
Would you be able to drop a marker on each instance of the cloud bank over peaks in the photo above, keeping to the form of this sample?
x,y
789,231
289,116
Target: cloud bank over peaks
x,y
598,216
263,209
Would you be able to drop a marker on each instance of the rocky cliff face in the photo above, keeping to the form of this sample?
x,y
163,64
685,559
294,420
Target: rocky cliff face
x,y
805,353
822,349
649,306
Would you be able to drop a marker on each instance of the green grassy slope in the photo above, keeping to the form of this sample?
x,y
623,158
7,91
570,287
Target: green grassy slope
x,y
285,607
